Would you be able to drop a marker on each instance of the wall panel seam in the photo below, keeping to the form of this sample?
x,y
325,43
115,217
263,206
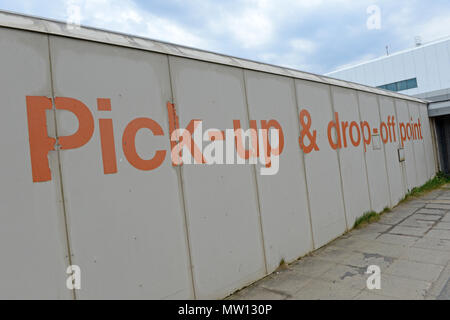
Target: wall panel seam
x,y
60,171
388,180
258,200
308,200
365,153
330,92
182,193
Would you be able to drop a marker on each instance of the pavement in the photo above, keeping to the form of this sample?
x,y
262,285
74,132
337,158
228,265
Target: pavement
x,y
410,245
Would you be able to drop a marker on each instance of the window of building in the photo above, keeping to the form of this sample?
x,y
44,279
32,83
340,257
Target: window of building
x,y
400,85
412,83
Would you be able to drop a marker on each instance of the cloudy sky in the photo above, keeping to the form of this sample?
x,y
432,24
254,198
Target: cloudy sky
x,y
312,35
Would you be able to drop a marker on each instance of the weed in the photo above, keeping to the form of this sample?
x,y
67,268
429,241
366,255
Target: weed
x,y
367,218
438,181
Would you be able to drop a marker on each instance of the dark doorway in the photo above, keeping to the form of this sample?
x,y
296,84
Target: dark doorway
x,y
443,140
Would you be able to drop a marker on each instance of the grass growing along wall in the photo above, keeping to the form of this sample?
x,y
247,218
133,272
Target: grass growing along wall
x,y
438,181
369,217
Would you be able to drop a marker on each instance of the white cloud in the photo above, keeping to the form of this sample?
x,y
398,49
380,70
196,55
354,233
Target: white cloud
x,y
433,29
125,16
301,45
297,57
163,29
408,22
256,23
250,29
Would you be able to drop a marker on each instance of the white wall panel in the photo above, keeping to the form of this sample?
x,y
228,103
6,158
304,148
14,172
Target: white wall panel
x,y
410,161
353,167
375,160
427,141
423,79
394,168
283,196
443,62
398,69
126,229
419,147
226,246
432,68
377,69
322,167
33,248
388,70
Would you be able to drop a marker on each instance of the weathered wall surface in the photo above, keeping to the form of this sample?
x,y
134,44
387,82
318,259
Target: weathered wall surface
x,y
144,229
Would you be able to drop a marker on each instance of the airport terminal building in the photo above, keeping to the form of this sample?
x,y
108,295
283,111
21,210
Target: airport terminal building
x,y
423,72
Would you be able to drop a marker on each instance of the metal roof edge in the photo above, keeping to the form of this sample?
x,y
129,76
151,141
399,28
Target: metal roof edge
x,y
59,28
397,53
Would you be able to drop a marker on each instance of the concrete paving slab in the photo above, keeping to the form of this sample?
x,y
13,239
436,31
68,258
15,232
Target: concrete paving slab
x,y
409,231
443,225
433,194
401,288
312,267
416,203
366,236
404,210
433,243
414,221
395,217
325,290
287,282
372,228
438,233
445,293
347,275
425,217
440,201
258,293
415,270
427,256
363,260
444,207
430,211
397,239
440,287
368,295
410,245
350,242
333,254
385,249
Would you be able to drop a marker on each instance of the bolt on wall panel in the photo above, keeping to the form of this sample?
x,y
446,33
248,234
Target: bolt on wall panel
x,y
126,220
